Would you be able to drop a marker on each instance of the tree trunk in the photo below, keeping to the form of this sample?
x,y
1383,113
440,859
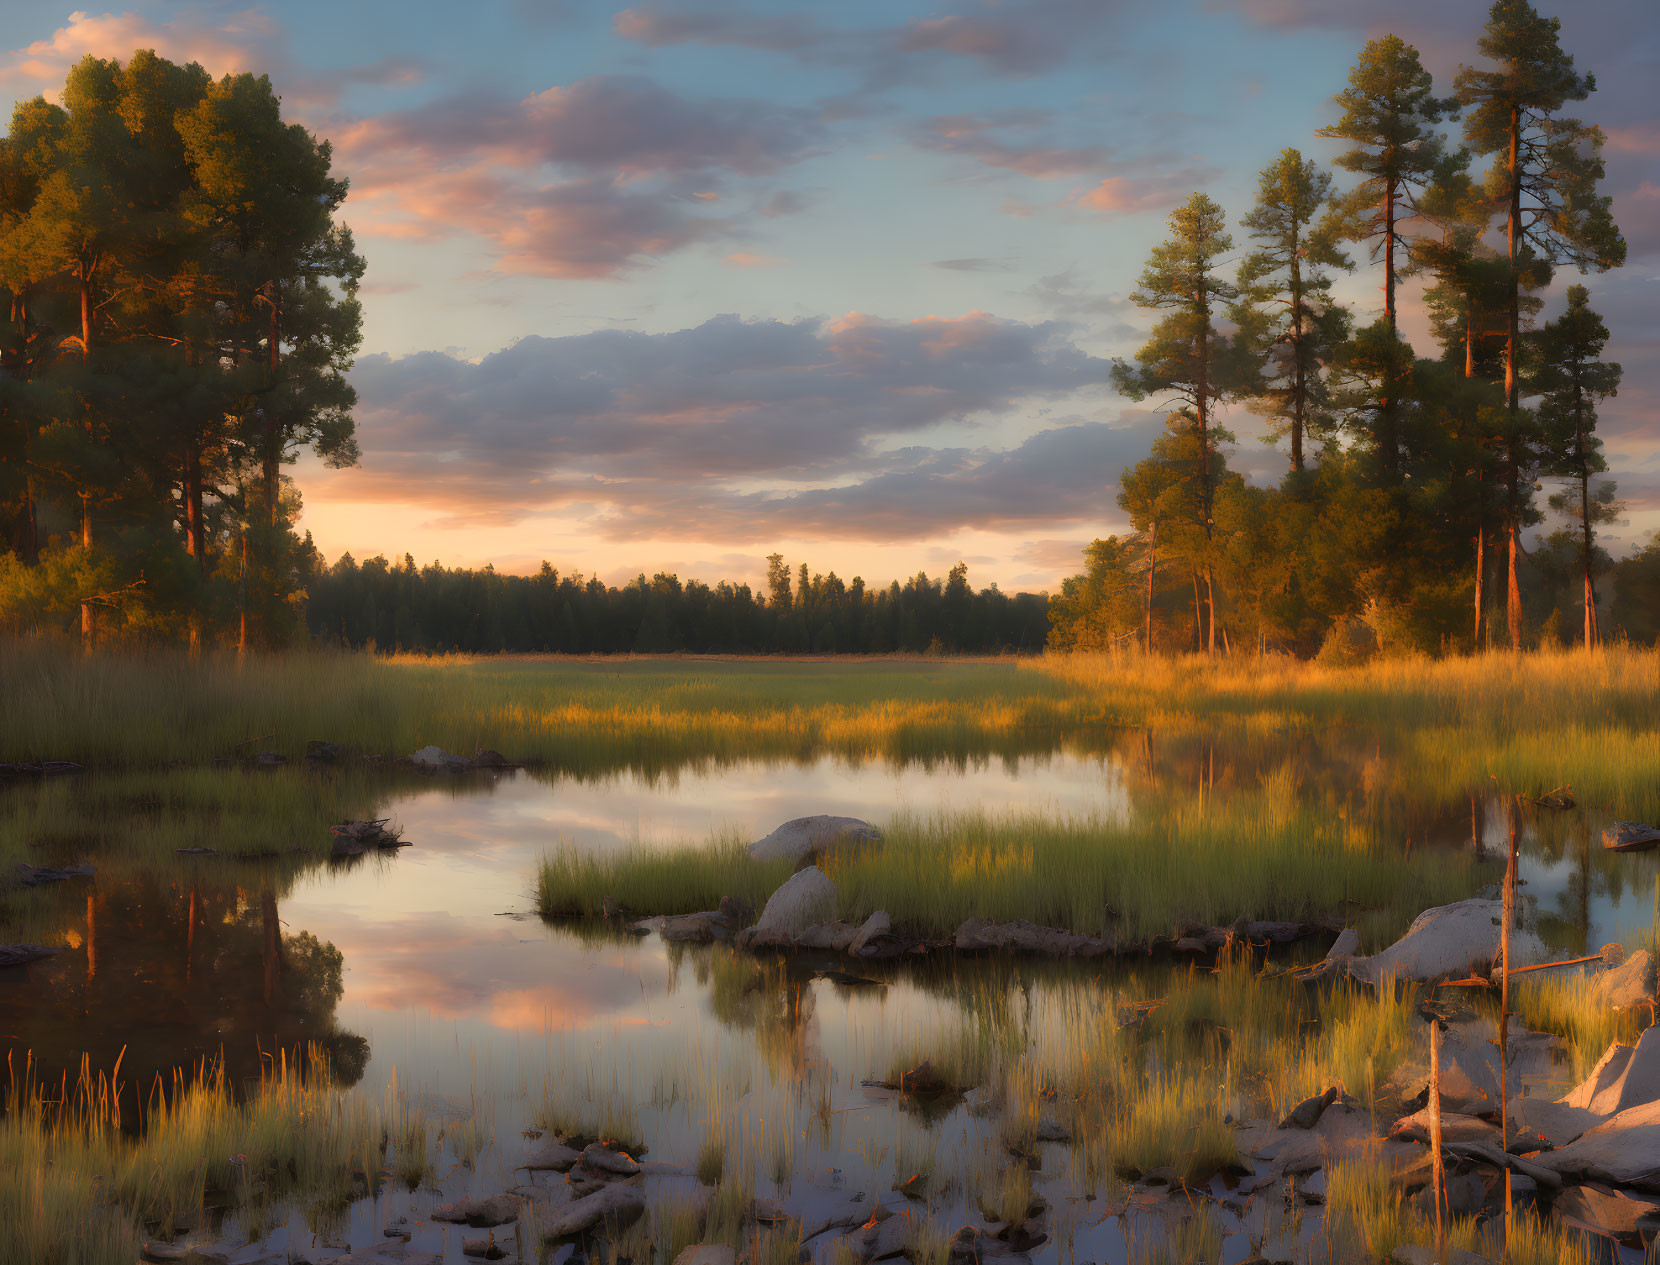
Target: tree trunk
x,y
1512,384
1152,565
1210,612
1299,384
89,629
1203,401
1198,616
1481,574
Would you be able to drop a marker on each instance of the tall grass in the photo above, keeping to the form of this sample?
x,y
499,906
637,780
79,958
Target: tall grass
x,y
71,1174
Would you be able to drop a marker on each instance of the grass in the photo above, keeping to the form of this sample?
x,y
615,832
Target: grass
x,y
1127,880
72,1174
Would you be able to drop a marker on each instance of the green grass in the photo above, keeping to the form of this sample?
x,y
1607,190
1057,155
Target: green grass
x,y
1098,876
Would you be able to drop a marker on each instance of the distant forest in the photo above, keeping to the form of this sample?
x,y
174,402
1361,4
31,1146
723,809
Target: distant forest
x,y
399,606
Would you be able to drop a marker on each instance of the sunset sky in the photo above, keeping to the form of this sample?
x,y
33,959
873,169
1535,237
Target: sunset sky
x,y
672,287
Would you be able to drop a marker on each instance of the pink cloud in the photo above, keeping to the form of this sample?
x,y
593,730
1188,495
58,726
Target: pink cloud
x,y
984,138
1642,139
1126,194
243,41
744,259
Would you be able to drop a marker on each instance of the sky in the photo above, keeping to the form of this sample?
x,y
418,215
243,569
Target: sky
x,y
675,286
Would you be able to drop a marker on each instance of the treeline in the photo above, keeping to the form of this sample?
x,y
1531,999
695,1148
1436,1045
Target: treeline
x,y
177,315
399,606
1399,523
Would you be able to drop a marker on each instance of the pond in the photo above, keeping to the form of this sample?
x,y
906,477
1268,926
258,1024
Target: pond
x,y
435,989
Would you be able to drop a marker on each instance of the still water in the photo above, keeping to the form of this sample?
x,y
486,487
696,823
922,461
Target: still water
x,y
443,988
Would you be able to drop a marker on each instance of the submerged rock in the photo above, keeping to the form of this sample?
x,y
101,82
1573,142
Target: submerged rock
x,y
615,1205
1452,940
598,1158
436,758
699,928
806,897
482,1249
493,1210
35,875
811,837
973,1246
883,1236
1630,836
828,937
23,954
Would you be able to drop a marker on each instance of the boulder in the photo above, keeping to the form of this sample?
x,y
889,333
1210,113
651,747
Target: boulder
x,y
1629,984
973,1246
615,1205
1629,836
598,1158
1453,940
1306,1114
1623,1150
806,897
1611,1213
1455,1127
482,1249
552,1156
436,758
1541,1124
707,1254
478,1213
1626,1076
878,924
827,937
1346,945
811,837
1025,937
699,928
1470,1066
884,1235
488,759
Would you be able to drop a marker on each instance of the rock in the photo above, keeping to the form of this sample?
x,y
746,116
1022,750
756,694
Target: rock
x,y
806,897
23,954
552,1156
827,937
478,1213
1611,1213
1417,1254
1026,937
482,1249
35,875
1306,1114
598,1158
973,1246
184,1254
1452,940
615,1205
701,928
1629,984
323,752
1623,1150
810,837
769,1212
1455,1127
1629,836
1538,1121
436,758
882,1236
485,758
1626,1076
1051,1130
1470,1066
877,924
354,837
738,911
1346,945
1341,1132
707,1254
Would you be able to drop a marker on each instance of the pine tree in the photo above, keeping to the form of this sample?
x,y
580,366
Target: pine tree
x,y
1544,174
1571,378
1287,321
1187,357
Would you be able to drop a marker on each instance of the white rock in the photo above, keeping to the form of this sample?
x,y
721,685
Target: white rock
x,y
1453,940
438,758
877,924
806,897
806,837
1629,984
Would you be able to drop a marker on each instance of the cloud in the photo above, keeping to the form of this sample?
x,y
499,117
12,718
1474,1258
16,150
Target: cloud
x,y
1130,194
744,259
749,415
580,181
1021,39
984,138
971,265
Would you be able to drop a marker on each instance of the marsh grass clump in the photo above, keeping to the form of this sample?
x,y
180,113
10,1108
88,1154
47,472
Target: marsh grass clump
x,y
74,1174
1003,1193
1566,1004
654,880
606,1118
711,1157
927,1243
